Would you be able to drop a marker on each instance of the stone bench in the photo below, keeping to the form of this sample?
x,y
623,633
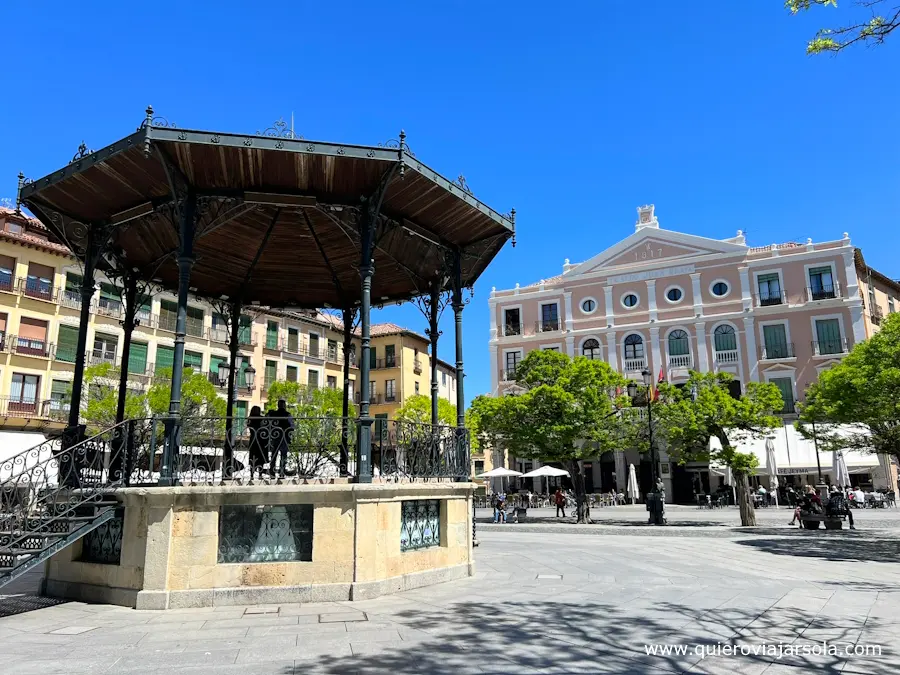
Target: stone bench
x,y
810,521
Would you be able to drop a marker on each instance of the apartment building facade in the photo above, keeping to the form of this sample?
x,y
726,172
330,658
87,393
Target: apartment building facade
x,y
670,302
40,301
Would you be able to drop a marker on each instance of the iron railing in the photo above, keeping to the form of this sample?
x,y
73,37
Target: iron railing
x,y
509,375
512,329
771,298
826,347
35,288
25,406
777,350
829,292
417,367
381,364
70,299
110,308
30,346
547,326
411,450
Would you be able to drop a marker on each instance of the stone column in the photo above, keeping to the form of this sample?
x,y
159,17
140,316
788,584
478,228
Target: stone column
x,y
610,309
697,293
752,354
651,299
657,354
702,351
746,290
612,354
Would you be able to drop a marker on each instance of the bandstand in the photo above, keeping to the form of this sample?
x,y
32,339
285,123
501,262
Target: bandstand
x,y
164,512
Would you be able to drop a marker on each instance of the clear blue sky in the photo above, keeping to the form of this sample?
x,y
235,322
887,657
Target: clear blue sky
x,y
573,113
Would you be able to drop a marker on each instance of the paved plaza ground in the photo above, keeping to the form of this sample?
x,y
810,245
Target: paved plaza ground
x,y
543,603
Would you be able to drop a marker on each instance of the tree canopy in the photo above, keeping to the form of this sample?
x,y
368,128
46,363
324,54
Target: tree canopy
x,y
856,403
101,384
869,26
417,408
690,415
308,402
566,413
198,395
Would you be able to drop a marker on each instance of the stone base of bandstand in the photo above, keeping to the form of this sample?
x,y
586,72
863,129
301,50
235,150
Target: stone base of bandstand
x,y
173,552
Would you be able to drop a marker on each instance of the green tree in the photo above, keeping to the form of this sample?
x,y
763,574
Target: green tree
x,y
566,414
702,409
417,408
870,29
199,397
304,401
101,387
856,403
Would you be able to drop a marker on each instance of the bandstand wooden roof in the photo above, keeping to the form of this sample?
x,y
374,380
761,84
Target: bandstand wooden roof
x,y
277,216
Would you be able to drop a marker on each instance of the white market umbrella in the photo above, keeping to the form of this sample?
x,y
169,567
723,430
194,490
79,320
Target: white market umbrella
x,y
771,467
500,472
633,491
841,475
884,460
546,471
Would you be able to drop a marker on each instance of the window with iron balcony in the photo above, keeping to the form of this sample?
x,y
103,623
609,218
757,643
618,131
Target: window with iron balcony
x,y
512,322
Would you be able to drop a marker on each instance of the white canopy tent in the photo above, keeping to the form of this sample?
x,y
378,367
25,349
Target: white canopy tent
x,y
546,472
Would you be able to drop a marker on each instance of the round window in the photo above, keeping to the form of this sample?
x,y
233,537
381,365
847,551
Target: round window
x,y
674,294
720,288
588,306
630,300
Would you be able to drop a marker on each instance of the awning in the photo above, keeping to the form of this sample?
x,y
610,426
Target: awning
x,y
795,455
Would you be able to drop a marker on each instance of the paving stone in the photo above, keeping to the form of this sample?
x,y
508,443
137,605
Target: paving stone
x,y
342,617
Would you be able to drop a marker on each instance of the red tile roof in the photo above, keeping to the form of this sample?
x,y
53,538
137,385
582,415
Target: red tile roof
x,y
29,239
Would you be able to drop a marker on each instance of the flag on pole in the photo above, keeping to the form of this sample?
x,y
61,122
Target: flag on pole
x,y
660,380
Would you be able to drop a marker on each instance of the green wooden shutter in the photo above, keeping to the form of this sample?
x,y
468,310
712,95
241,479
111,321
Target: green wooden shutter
x,y
828,333
271,336
73,282
109,292
314,345
242,376
193,360
373,359
291,374
194,325
167,313
245,331
165,356
214,362
137,358
787,392
240,414
775,340
271,372
293,340
67,344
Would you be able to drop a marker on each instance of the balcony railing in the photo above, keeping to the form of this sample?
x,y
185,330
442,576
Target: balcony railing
x,y
417,367
681,361
246,338
111,308
25,406
29,346
195,328
726,356
220,335
390,398
512,329
97,356
331,354
770,299
70,299
777,350
825,347
34,288
379,364
877,315
165,322
509,375
823,292
7,284
546,325
635,365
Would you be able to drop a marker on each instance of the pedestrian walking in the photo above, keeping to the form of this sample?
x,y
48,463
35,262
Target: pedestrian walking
x,y
281,424
560,499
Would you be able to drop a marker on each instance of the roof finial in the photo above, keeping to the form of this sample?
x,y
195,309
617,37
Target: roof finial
x,y
402,139
148,122
512,219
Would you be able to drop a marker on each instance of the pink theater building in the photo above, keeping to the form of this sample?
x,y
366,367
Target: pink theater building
x,y
667,301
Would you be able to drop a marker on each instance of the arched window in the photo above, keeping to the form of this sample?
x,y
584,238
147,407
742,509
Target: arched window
x,y
724,338
634,347
679,343
591,349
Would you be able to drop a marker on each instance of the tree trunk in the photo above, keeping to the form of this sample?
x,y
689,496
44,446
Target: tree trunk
x,y
745,503
582,505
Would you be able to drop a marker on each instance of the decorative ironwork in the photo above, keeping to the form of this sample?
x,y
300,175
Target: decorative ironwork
x,y
417,450
461,183
398,144
83,151
279,129
420,524
279,533
104,544
151,120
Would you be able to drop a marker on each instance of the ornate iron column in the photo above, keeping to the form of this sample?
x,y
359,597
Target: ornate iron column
x,y
118,462
95,244
366,271
462,445
234,342
185,263
347,316
433,335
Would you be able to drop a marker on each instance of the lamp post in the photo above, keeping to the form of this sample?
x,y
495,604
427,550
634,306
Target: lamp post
x,y
654,497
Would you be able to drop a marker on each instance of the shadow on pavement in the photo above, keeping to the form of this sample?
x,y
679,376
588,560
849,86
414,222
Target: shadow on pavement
x,y
555,638
838,546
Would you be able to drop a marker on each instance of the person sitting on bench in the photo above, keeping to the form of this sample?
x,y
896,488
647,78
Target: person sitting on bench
x,y
838,506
